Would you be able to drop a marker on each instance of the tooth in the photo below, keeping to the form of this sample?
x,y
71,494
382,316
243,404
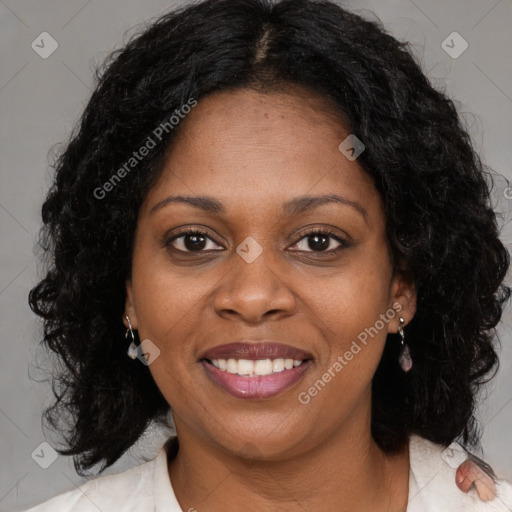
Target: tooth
x,y
245,367
250,368
263,367
232,366
278,365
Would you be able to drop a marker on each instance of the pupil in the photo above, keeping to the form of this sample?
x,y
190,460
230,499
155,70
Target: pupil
x,y
320,246
197,242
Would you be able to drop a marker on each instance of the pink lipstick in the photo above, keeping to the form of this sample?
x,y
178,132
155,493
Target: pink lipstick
x,y
255,369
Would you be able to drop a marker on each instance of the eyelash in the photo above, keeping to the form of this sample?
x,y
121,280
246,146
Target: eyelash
x,y
328,233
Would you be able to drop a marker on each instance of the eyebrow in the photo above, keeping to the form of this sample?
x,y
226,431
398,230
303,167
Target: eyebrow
x,y
305,203
292,207
208,204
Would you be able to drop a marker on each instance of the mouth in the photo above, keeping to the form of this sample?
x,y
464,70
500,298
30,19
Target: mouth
x,y
255,369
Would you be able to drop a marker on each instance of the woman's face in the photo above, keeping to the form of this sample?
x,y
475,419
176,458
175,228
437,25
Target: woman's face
x,y
258,275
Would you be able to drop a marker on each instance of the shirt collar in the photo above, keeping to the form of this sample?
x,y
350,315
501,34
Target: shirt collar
x,y
432,484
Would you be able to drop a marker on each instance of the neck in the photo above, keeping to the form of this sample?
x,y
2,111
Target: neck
x,y
347,472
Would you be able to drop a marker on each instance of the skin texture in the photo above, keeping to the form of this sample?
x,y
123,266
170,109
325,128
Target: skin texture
x,y
276,453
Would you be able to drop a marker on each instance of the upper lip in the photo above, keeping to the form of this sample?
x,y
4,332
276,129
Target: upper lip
x,y
254,350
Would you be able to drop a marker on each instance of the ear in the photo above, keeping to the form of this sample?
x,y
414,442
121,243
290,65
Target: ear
x,y
403,300
129,307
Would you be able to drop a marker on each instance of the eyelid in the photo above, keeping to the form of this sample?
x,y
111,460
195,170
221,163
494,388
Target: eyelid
x,y
329,233
166,240
304,233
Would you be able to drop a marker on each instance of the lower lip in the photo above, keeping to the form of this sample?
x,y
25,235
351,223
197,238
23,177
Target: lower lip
x,y
264,386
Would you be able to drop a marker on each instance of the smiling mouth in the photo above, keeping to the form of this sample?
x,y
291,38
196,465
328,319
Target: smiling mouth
x,y
255,369
251,385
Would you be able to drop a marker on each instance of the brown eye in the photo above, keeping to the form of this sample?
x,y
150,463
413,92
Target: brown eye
x,y
192,241
320,241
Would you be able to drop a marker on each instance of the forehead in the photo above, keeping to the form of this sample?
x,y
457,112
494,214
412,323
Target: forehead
x,y
249,148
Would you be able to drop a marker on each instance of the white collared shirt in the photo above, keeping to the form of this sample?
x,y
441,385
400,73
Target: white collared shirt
x,y
147,487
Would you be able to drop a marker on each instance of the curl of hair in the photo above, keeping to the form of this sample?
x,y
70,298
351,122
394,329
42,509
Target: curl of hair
x,y
442,231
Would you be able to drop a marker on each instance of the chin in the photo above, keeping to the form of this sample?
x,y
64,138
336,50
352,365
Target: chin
x,y
278,441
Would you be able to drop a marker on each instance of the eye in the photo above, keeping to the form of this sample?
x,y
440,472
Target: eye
x,y
191,240
198,241
320,240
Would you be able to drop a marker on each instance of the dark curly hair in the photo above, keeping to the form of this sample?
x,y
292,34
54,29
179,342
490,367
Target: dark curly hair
x,y
441,227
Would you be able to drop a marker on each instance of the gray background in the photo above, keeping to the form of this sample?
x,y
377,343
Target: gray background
x,y
41,99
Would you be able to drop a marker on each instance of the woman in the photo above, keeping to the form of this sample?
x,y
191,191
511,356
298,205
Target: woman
x,y
291,229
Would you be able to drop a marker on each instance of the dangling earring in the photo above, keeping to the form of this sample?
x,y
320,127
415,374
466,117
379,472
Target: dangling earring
x,y
132,349
404,359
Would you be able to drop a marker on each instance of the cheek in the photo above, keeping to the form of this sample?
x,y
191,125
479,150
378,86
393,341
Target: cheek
x,y
168,302
168,307
169,314
354,299
354,312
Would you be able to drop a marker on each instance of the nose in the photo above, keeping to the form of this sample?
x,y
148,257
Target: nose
x,y
254,292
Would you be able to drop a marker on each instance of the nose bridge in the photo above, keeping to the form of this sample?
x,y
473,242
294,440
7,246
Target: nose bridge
x,y
253,286
253,269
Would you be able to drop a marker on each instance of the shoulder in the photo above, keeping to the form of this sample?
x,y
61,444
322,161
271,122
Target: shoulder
x,y
135,490
122,492
432,481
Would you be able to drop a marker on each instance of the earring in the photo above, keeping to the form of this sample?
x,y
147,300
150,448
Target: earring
x,y
132,349
404,359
